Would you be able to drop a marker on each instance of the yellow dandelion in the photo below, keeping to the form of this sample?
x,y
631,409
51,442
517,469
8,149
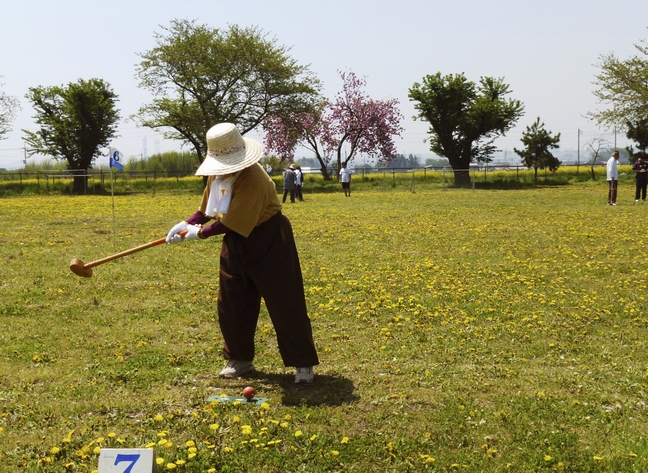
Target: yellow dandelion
x,y
159,461
190,443
597,458
54,450
298,433
191,455
170,466
548,458
192,449
344,440
112,434
158,418
335,453
97,450
214,426
265,405
313,437
227,449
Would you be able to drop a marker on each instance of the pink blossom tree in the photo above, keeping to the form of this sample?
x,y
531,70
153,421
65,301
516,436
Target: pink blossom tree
x,y
354,119
307,129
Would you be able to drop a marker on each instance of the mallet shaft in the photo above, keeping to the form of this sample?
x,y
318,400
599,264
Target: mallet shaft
x,y
128,252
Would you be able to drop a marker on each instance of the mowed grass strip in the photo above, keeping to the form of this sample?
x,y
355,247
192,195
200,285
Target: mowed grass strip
x,y
458,330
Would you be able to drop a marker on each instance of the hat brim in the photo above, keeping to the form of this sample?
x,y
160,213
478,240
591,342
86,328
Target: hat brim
x,y
236,161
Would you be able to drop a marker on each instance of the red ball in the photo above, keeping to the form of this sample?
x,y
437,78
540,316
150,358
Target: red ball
x,y
249,392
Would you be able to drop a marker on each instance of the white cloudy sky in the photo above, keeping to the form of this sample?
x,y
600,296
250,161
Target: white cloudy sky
x,y
546,50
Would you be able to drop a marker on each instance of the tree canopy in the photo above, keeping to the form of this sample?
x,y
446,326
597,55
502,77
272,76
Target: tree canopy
x,y
538,143
75,121
353,119
8,107
200,76
623,86
465,118
637,132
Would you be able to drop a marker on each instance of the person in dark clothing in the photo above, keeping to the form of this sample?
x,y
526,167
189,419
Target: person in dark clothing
x,y
289,184
640,167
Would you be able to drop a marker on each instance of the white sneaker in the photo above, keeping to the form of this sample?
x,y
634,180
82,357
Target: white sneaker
x,y
304,375
235,369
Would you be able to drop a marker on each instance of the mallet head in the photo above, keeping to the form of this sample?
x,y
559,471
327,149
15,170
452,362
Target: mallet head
x,y
78,268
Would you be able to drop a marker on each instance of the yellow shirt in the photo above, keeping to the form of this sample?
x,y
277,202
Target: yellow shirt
x,y
254,200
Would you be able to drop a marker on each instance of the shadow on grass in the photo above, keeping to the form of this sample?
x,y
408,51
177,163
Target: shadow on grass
x,y
325,390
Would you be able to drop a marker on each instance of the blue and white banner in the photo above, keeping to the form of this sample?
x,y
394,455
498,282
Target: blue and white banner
x,y
116,159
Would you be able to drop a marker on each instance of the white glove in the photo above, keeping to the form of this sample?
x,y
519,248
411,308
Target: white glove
x,y
172,236
192,232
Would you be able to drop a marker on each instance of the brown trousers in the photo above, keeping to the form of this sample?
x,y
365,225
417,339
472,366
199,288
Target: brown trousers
x,y
265,264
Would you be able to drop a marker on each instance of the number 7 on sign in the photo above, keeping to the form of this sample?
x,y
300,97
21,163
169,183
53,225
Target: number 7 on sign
x,y
127,458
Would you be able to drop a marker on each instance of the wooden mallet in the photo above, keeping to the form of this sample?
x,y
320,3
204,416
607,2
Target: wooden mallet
x,y
85,270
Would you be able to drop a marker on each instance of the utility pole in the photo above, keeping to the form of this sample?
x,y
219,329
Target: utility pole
x,y
578,154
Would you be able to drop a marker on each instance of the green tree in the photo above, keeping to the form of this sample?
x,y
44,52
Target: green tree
x,y
623,86
465,118
200,76
637,132
538,144
75,123
8,107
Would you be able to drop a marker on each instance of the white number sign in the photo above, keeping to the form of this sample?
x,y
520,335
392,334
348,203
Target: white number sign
x,y
127,460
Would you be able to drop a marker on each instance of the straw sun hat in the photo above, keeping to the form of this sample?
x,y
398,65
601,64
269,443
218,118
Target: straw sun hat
x,y
228,151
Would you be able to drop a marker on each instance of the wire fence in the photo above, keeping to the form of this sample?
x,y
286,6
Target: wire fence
x,y
99,181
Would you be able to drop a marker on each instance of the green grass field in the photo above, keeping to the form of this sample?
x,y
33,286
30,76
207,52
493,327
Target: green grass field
x,y
458,330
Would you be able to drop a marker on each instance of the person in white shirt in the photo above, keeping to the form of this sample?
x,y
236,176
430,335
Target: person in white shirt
x,y
613,177
299,182
345,179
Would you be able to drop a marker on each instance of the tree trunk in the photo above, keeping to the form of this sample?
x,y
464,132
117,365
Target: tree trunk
x,y
462,178
325,173
80,183
323,169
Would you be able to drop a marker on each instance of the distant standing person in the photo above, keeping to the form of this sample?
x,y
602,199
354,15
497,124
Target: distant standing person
x,y
345,179
289,183
613,177
640,168
299,181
